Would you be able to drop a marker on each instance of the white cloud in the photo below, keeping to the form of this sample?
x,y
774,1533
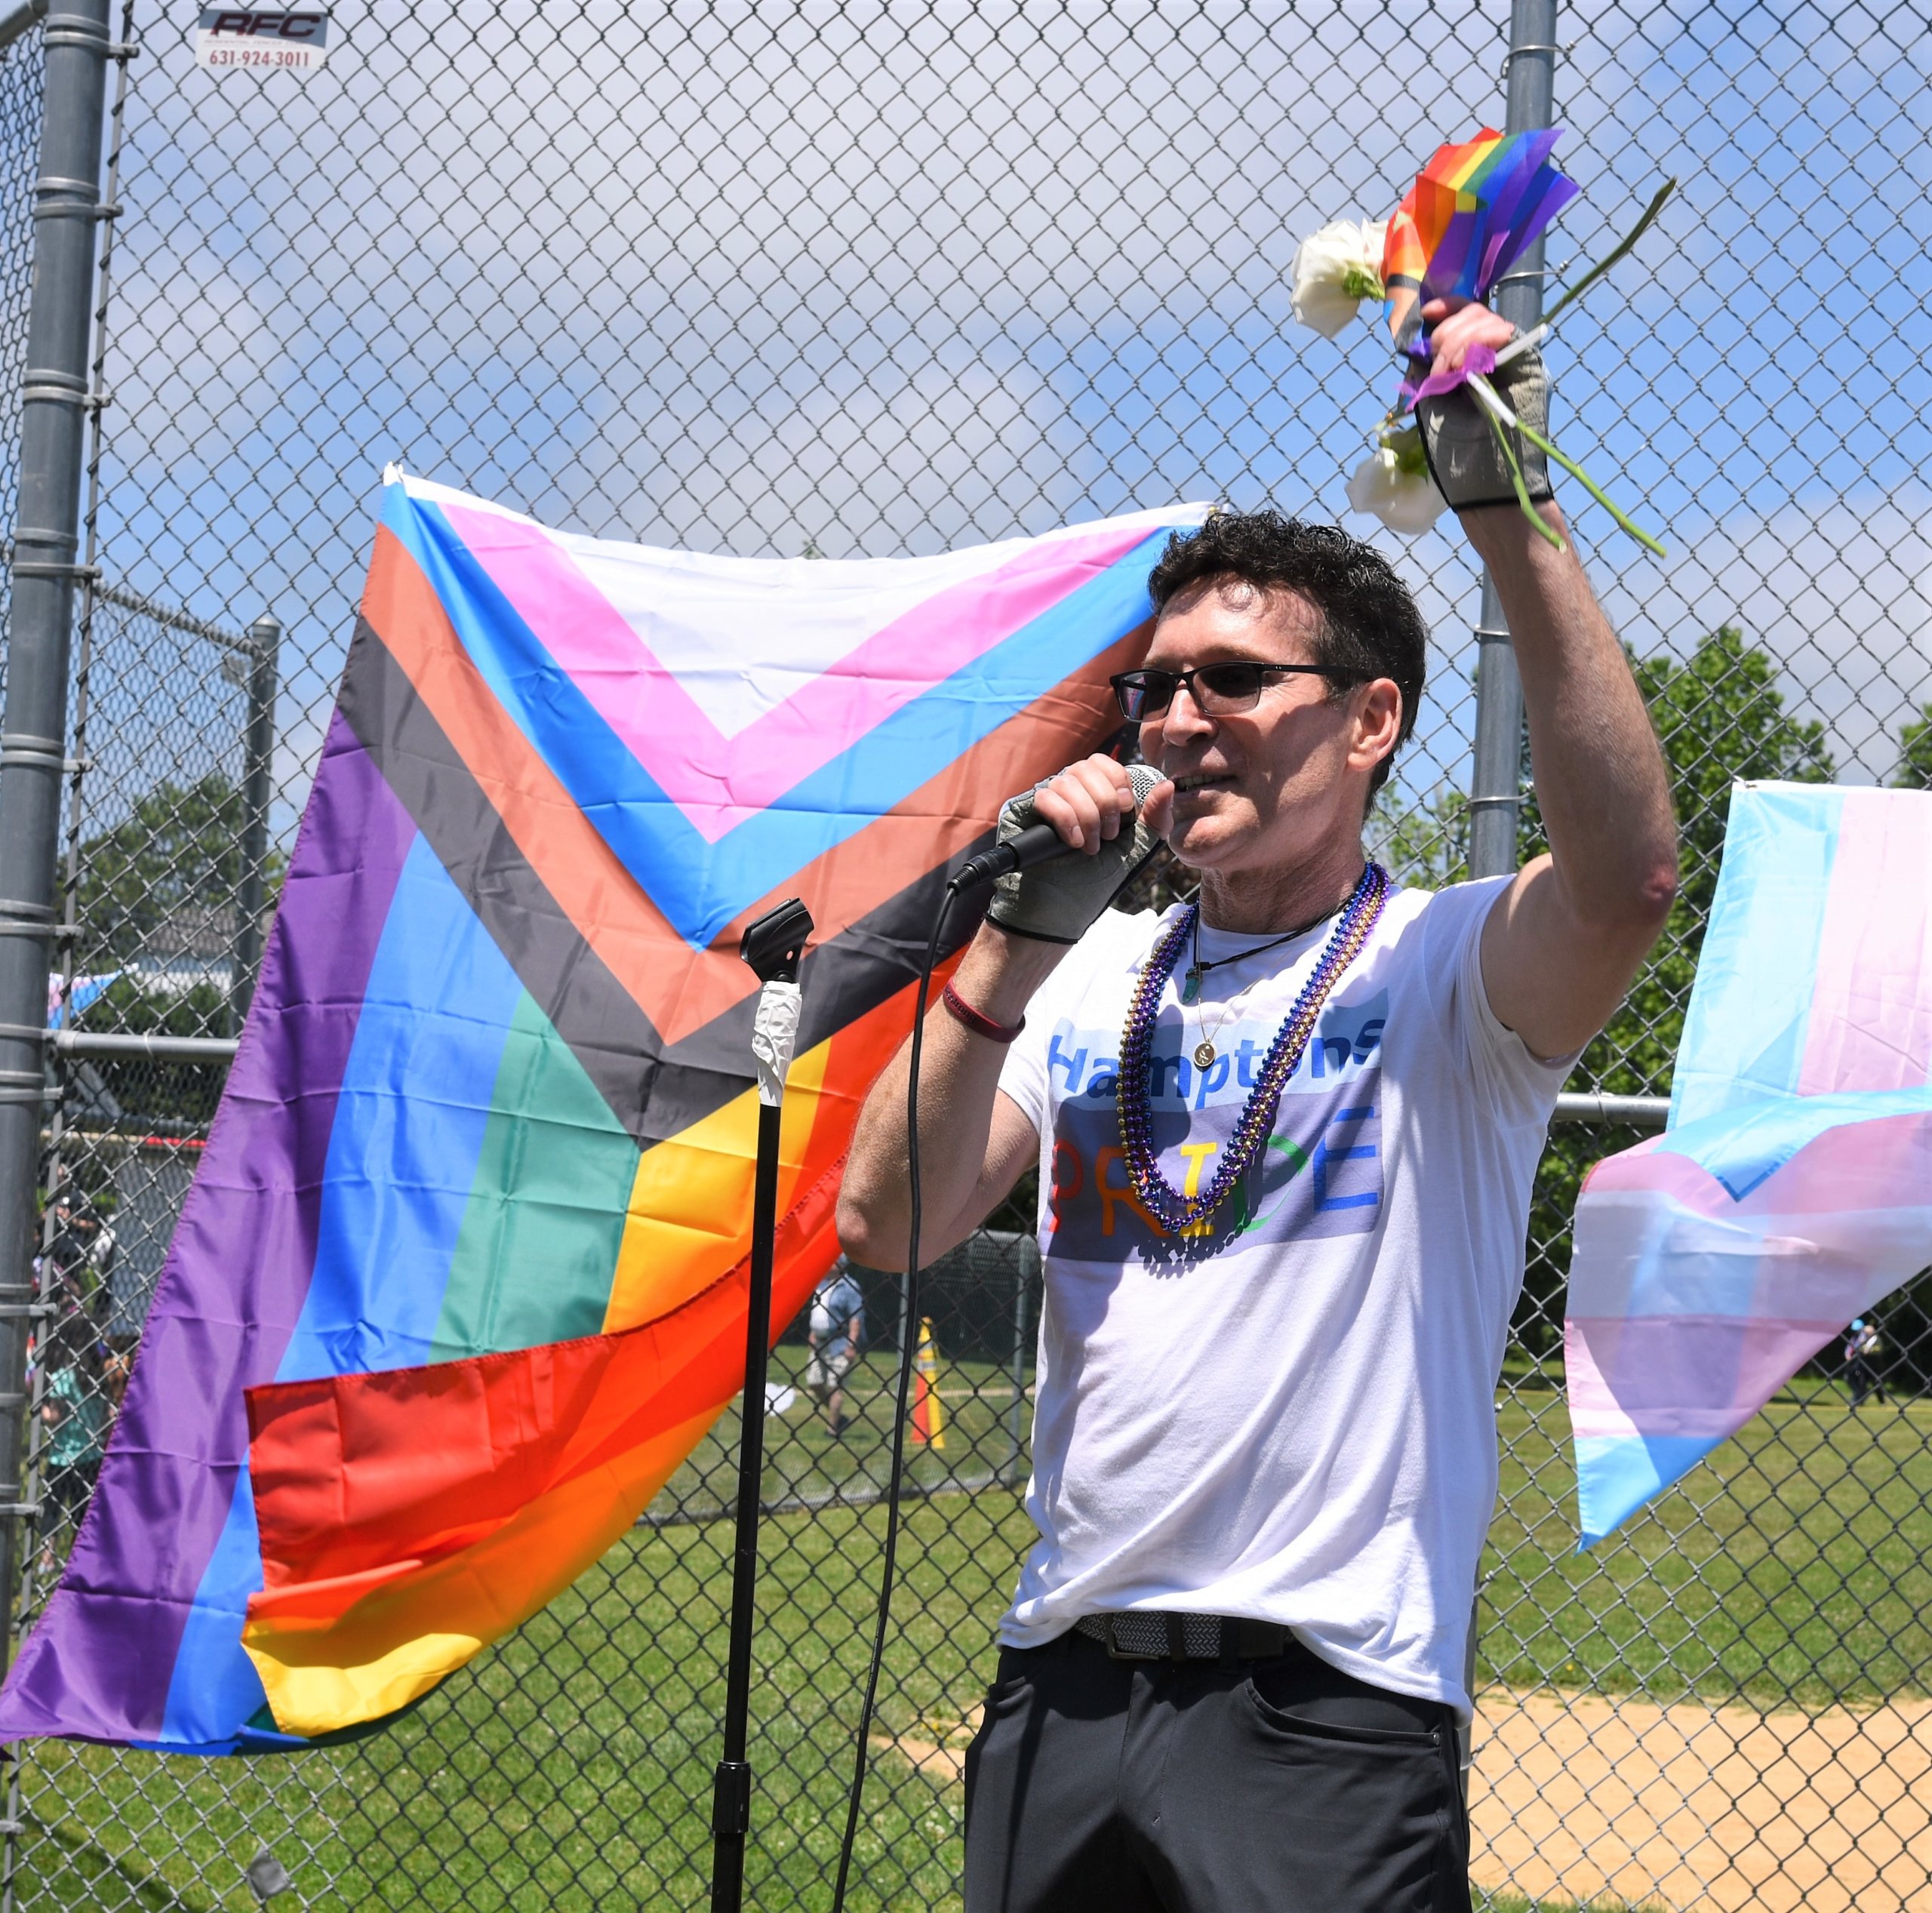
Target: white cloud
x,y
891,278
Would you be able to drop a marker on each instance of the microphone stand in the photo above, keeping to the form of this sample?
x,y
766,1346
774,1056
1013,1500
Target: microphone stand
x,y
772,947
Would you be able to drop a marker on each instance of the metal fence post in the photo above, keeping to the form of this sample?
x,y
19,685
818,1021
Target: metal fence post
x,y
32,749
1495,789
265,635
1014,1422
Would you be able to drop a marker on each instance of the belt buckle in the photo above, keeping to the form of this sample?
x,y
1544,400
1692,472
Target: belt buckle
x,y
1115,1652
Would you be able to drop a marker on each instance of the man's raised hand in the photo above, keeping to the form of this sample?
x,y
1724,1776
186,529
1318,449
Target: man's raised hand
x,y
1459,440
1455,324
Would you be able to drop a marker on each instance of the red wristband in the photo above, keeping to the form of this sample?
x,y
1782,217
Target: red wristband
x,y
976,1021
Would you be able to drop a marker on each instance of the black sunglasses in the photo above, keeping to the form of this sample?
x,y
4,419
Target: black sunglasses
x,y
1219,690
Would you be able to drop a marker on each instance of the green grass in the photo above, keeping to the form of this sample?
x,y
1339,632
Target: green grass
x,y
985,1438
570,1767
1791,1569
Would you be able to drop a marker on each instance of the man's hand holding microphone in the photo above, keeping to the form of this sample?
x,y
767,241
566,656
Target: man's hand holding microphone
x,y
1064,849
1113,815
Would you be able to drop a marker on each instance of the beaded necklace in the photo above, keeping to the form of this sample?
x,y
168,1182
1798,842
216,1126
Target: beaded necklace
x,y
1174,1212
1197,970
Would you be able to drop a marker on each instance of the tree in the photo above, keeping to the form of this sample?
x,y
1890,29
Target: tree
x,y
1423,842
166,882
168,874
1721,718
1915,770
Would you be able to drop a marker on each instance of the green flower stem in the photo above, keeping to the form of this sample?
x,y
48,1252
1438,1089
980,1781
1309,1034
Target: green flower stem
x,y
1502,421
1590,485
1589,279
1501,417
1604,265
1530,511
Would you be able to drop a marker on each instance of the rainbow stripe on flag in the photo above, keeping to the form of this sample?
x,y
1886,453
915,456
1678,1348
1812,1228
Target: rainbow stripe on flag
x,y
1473,211
461,1278
1792,1188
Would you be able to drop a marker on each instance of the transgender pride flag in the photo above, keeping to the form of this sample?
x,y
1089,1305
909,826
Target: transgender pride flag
x,y
458,1284
1792,1188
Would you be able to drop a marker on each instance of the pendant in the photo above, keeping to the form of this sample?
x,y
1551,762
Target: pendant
x,y
1190,987
1203,1054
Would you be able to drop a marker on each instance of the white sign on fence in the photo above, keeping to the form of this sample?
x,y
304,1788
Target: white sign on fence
x,y
295,42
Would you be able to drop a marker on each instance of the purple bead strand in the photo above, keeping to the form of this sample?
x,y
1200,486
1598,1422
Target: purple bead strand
x,y
1173,1211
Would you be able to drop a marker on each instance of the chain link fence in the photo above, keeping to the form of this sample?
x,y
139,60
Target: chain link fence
x,y
863,279
20,85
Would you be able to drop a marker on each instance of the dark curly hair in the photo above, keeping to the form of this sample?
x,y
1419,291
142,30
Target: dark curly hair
x,y
1367,624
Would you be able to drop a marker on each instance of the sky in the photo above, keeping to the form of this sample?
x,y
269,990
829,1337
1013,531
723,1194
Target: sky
x,y
886,277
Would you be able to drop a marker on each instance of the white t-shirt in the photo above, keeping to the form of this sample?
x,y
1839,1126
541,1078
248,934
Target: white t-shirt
x,y
1292,1416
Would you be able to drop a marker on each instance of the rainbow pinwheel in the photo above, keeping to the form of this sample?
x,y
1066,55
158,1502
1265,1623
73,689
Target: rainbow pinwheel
x,y
1473,212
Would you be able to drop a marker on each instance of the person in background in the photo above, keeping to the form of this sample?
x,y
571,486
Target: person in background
x,y
73,1414
836,1326
1861,1360
103,1245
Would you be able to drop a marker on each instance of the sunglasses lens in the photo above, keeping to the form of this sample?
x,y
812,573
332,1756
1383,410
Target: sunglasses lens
x,y
1224,688
1144,694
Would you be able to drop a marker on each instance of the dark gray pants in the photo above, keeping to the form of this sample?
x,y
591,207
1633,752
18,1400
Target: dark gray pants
x,y
1270,1786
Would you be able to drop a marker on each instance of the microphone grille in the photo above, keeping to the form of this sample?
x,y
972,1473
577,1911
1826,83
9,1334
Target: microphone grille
x,y
1143,777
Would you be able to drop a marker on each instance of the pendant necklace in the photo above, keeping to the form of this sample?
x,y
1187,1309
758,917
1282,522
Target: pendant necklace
x,y
1204,1051
1172,1211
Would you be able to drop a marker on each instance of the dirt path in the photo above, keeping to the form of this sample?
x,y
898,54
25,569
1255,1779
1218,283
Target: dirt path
x,y
1694,1809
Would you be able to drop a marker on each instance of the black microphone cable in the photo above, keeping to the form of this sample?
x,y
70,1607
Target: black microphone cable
x,y
968,876
909,1345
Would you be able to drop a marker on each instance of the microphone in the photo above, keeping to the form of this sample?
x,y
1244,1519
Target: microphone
x,y
1039,841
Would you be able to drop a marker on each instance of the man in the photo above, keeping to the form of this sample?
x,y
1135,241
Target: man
x,y
1265,1448
1861,1361
833,1329
74,1413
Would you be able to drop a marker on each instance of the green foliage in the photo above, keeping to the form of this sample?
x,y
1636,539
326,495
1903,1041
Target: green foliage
x,y
165,884
1721,718
1422,842
175,860
1915,768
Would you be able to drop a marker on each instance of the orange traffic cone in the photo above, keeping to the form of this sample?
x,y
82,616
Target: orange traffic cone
x,y
928,1415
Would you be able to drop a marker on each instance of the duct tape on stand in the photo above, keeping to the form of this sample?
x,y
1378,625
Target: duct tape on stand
x,y
774,1031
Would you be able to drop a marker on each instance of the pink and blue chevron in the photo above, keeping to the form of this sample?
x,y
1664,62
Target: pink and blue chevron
x,y
464,1275
1792,1188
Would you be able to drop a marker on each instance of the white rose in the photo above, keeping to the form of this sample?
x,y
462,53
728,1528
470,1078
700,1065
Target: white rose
x,y
1393,484
1334,271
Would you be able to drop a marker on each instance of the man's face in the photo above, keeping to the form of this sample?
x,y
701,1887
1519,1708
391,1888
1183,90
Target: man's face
x,y
1263,789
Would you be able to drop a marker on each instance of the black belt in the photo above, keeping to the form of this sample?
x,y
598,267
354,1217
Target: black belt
x,y
1188,1636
